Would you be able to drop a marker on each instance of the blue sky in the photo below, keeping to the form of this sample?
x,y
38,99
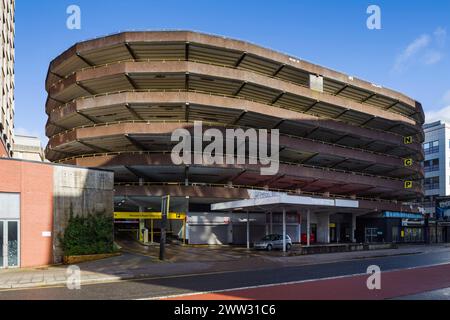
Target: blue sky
x,y
411,53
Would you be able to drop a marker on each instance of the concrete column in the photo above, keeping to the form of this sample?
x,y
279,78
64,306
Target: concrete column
x,y
323,228
271,223
338,232
352,236
308,228
284,230
248,230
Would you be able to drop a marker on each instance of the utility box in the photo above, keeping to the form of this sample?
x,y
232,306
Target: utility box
x,y
145,235
316,83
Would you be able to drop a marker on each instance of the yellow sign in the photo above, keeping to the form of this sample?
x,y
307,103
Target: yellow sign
x,y
408,184
409,162
409,140
147,216
332,225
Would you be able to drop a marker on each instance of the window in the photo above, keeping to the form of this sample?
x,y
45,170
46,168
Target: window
x,y
432,183
431,165
431,147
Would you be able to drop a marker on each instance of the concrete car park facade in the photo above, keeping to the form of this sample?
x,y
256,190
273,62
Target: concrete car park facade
x,y
113,103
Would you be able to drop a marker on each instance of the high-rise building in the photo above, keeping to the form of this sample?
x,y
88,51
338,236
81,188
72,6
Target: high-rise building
x,y
7,78
437,163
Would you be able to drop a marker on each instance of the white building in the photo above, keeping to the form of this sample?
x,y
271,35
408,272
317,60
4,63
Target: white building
x,y
28,148
7,48
437,162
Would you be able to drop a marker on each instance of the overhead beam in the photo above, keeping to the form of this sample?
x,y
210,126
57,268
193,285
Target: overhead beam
x,y
135,143
95,148
130,51
239,118
278,124
238,91
187,51
393,105
341,90
91,119
278,70
131,82
137,173
91,92
373,95
341,114
187,111
89,63
133,112
339,163
312,106
241,58
278,97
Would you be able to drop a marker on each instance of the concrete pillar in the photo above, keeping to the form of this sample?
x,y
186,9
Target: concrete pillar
x,y
248,230
284,230
271,223
323,228
353,235
338,232
308,228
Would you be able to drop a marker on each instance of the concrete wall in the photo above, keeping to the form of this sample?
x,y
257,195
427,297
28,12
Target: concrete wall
x,y
79,192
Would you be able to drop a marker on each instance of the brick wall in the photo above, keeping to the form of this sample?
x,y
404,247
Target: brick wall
x,y
34,182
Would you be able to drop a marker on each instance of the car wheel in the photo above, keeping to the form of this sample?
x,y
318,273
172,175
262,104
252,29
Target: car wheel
x,y
269,247
288,247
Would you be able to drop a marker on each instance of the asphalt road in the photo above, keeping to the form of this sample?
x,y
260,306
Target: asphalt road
x,y
162,287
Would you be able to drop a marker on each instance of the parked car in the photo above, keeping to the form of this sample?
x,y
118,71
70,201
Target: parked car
x,y
273,241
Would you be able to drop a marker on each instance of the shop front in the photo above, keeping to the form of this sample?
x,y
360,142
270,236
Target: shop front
x,y
391,227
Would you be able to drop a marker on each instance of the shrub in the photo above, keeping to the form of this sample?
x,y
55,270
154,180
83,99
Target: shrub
x,y
88,235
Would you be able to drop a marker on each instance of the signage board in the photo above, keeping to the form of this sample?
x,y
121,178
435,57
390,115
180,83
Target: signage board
x,y
147,216
443,208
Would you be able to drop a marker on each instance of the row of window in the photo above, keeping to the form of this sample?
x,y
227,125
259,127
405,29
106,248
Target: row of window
x,y
432,147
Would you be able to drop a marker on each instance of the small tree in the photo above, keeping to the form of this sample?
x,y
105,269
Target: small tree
x,y
92,234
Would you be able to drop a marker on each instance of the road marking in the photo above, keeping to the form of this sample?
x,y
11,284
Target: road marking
x,y
283,283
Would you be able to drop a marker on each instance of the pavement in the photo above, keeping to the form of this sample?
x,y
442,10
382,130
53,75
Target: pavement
x,y
140,264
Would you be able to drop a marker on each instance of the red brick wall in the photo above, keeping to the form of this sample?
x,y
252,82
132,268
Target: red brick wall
x,y
34,182
3,152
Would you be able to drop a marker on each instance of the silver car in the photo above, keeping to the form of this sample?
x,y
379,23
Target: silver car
x,y
273,241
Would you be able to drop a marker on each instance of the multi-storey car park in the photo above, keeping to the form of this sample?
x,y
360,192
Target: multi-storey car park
x,y
114,102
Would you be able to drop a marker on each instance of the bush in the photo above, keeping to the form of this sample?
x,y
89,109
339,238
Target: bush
x,y
88,235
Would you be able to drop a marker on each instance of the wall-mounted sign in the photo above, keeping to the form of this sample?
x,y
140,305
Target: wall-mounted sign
x,y
147,216
46,234
408,140
443,208
408,162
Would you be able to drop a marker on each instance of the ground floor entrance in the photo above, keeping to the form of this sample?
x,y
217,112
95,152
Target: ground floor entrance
x,y
9,244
